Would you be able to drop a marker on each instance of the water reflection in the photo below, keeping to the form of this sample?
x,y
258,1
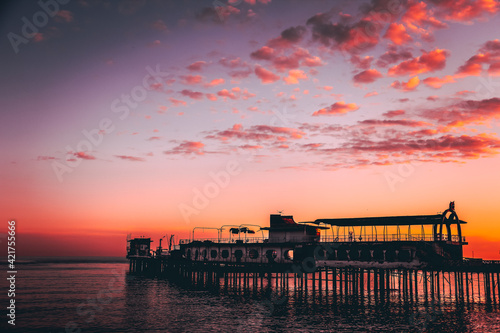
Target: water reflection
x,y
236,303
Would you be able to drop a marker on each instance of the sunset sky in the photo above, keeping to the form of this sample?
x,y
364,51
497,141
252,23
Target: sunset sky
x,y
153,117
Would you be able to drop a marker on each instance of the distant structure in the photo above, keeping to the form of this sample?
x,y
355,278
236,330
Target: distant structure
x,y
369,245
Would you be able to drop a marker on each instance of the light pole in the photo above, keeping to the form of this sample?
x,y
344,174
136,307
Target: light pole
x,y
252,225
228,225
206,228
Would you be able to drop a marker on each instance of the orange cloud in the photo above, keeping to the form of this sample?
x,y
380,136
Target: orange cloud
x,y
418,17
294,76
397,34
427,62
336,108
467,10
412,84
394,113
215,82
489,53
465,112
436,82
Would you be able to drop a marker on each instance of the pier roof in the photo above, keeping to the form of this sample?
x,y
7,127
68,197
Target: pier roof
x,y
386,220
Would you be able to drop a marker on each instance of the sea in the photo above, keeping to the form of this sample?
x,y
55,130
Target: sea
x,y
99,295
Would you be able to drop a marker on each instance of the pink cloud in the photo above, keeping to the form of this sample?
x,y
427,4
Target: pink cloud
x,y
294,76
84,155
227,93
159,25
436,82
215,82
65,15
197,66
265,76
361,63
130,158
177,102
367,76
264,53
336,108
370,94
191,79
187,148
192,94
258,133
212,97
394,113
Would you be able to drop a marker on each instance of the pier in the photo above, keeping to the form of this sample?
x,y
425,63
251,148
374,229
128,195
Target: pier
x,y
356,260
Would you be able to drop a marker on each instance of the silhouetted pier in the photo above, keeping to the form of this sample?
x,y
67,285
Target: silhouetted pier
x,y
478,282
355,260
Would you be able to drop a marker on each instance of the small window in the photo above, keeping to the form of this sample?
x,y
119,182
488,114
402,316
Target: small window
x,y
204,254
188,254
289,254
320,254
253,254
213,254
238,254
224,254
196,255
271,254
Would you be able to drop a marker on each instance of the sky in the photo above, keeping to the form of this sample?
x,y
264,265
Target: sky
x,y
154,117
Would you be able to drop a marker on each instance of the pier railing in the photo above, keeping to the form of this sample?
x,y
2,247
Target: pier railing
x,y
226,240
329,239
387,238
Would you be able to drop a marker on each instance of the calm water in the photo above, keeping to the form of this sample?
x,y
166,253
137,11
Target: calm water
x,y
102,297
